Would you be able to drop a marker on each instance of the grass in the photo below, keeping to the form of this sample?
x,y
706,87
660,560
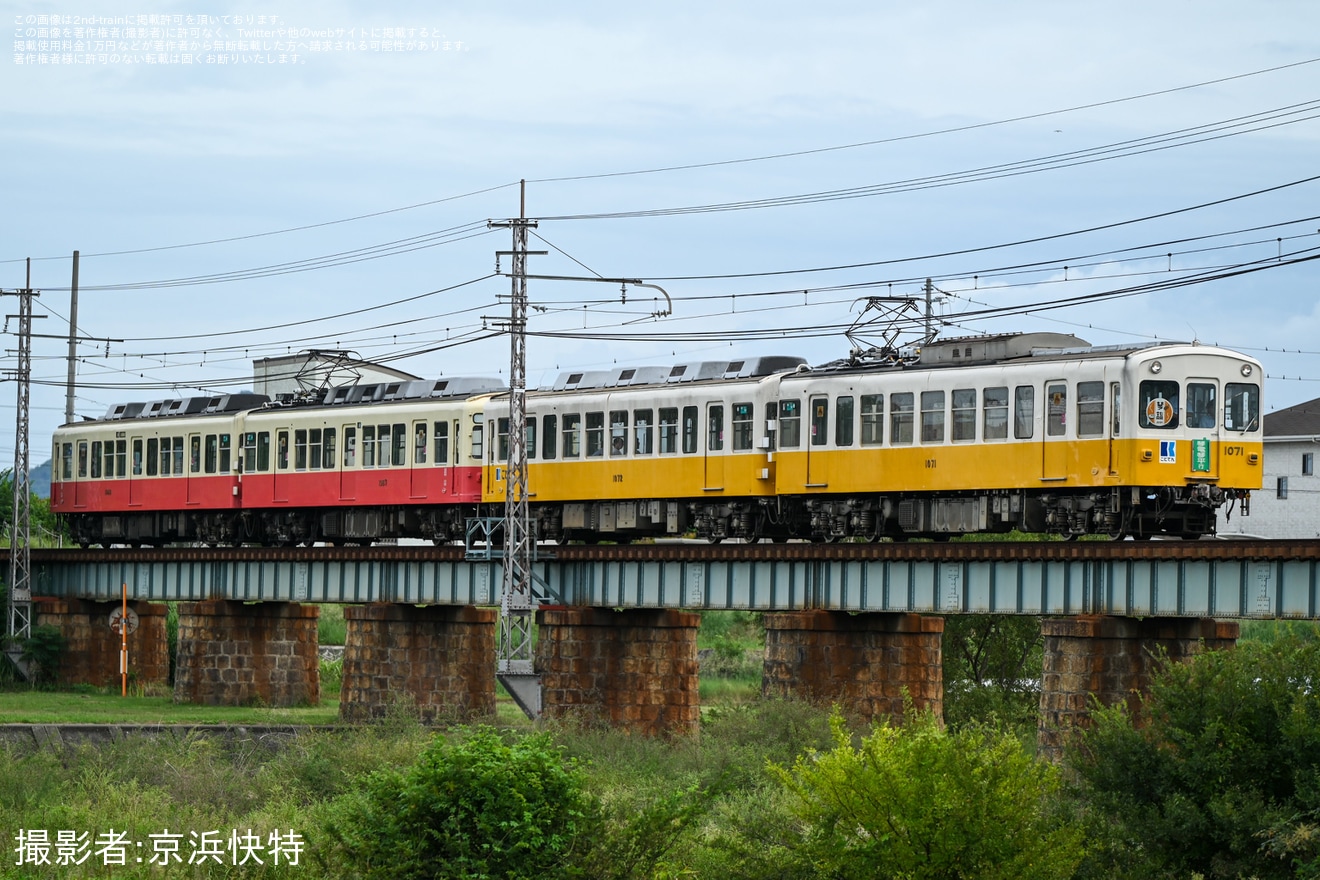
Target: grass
x,y
87,705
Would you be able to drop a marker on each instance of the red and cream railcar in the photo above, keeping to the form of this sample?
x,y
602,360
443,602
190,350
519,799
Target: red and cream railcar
x,y
356,464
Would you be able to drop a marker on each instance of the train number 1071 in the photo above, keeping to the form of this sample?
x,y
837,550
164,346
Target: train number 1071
x,y
1234,450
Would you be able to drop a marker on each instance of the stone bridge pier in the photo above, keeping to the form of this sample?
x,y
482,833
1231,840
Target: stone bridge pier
x,y
1111,660
867,663
235,654
92,648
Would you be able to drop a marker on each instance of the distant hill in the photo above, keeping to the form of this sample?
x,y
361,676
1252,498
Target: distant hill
x,y
39,480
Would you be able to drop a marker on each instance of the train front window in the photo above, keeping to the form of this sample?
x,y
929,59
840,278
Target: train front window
x,y
1158,404
1241,406
1200,405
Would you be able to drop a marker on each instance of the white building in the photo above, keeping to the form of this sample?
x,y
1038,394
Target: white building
x,y
1288,503
308,370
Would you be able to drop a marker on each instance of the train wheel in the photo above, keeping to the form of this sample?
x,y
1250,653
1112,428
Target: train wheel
x,y
752,539
714,539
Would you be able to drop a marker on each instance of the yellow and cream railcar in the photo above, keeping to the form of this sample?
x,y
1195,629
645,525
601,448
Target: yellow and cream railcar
x,y
648,451
1039,432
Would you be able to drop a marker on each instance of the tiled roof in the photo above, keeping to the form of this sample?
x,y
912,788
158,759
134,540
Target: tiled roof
x,y
1300,420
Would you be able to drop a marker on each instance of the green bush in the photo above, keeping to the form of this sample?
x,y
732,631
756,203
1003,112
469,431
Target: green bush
x,y
472,807
44,649
1219,774
920,802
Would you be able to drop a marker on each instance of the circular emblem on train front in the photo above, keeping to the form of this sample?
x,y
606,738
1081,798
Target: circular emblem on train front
x,y
1159,412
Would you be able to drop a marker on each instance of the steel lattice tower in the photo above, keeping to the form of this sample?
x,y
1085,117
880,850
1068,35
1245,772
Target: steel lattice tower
x,y
20,533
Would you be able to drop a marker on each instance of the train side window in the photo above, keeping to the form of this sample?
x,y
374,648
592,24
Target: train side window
x,y
843,421
618,432
137,456
1091,409
964,414
771,424
368,445
932,417
400,446
873,419
314,447
572,435
900,417
1157,404
419,442
715,428
643,432
178,455
96,459
1056,409
790,424
110,459
249,457
153,457
502,439
66,461
1024,412
668,430
820,421
1115,407
300,450
529,436
166,448
691,429
224,454
440,441
328,450
209,463
121,458
263,451
595,434
1200,405
281,450
195,454
1242,406
994,415
382,446
549,431
744,418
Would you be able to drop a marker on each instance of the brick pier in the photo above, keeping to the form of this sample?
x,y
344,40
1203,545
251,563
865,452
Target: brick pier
x,y
91,654
235,654
864,662
1111,659
440,659
635,669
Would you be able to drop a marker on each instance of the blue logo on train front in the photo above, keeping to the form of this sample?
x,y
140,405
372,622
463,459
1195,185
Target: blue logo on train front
x,y
1168,452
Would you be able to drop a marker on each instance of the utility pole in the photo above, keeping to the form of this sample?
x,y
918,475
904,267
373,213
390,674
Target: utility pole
x,y
73,344
930,314
19,623
517,603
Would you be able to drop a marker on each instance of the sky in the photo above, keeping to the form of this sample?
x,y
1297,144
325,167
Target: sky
x,y
248,180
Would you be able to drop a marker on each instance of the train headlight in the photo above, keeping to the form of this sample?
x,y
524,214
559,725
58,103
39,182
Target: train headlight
x,y
1246,369
1156,366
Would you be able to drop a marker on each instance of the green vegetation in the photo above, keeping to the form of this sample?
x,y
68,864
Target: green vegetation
x,y
46,529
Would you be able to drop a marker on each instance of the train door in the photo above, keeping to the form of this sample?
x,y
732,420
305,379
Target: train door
x,y
82,489
1054,452
280,476
419,471
192,475
348,473
1116,419
1201,426
135,472
714,462
817,437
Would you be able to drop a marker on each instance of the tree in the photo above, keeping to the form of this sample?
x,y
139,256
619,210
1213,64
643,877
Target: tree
x,y
45,525
1218,773
992,669
476,807
919,801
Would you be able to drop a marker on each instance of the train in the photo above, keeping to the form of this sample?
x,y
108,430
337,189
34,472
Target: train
x,y
1035,432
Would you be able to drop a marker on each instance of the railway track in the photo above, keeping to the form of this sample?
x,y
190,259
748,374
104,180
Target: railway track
x,y
679,551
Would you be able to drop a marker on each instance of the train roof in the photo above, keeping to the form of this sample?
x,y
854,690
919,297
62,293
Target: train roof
x,y
698,371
